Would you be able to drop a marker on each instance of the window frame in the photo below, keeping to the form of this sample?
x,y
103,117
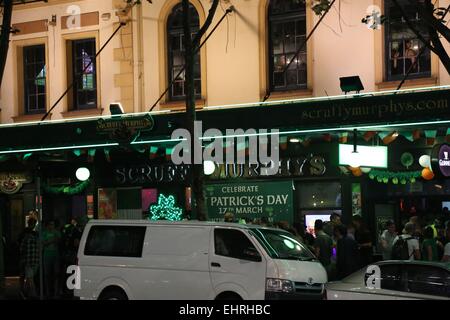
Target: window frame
x,y
284,19
76,106
132,230
25,79
387,74
436,268
173,32
231,256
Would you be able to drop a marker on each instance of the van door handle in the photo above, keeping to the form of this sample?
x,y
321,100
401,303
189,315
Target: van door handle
x,y
215,264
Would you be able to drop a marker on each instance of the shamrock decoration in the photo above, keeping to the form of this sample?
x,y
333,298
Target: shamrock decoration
x,y
165,209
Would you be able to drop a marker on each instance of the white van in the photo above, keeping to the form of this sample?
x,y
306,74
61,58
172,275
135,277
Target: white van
x,y
194,261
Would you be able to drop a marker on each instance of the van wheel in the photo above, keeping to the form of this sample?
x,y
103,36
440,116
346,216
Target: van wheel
x,y
113,294
228,296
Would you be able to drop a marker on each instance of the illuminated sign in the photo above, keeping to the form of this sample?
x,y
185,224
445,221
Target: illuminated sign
x,y
11,183
372,157
440,160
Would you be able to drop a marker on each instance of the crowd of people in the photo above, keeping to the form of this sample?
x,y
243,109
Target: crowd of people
x,y
341,249
422,241
59,250
344,249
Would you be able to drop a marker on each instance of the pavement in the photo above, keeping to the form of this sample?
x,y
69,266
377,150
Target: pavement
x,y
11,289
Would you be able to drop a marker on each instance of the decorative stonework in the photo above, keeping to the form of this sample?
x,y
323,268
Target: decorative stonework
x,y
124,54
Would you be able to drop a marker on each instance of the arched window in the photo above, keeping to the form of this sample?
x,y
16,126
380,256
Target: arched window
x,y
287,32
175,53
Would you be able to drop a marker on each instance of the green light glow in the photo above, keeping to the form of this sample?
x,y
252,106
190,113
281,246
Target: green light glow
x,y
293,132
69,189
157,141
60,148
165,209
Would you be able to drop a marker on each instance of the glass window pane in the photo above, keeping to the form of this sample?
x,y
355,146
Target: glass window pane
x,y
289,37
176,48
178,58
41,102
319,195
84,52
232,243
31,102
428,280
178,90
278,79
277,38
115,241
197,87
402,43
391,278
287,24
279,63
291,77
34,78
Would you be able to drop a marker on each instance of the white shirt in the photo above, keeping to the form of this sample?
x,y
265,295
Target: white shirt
x,y
447,249
413,244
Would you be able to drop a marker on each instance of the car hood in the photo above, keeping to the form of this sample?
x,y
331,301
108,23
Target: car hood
x,y
301,271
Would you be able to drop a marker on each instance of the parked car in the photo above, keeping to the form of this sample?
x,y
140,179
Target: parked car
x,y
194,260
399,280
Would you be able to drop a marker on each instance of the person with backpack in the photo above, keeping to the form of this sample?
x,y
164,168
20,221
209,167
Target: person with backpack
x,y
405,246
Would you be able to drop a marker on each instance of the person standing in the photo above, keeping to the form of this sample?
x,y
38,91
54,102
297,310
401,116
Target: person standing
x,y
335,220
429,245
347,254
446,255
412,243
29,258
50,239
387,240
323,246
363,238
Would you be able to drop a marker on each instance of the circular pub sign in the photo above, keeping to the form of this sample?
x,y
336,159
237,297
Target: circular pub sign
x,y
440,160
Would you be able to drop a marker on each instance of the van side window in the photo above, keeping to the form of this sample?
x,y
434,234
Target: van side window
x,y
232,243
115,241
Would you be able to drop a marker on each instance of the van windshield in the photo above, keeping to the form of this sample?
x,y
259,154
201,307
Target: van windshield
x,y
282,245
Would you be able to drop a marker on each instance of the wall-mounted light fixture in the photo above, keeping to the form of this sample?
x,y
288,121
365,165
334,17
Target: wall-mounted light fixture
x,y
116,109
82,174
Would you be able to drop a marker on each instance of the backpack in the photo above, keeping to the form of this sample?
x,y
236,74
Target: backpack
x,y
400,249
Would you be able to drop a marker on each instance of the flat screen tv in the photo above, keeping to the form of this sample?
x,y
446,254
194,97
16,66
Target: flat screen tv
x,y
310,219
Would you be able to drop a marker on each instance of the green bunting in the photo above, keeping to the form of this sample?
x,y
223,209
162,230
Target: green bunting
x,y
395,177
68,190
